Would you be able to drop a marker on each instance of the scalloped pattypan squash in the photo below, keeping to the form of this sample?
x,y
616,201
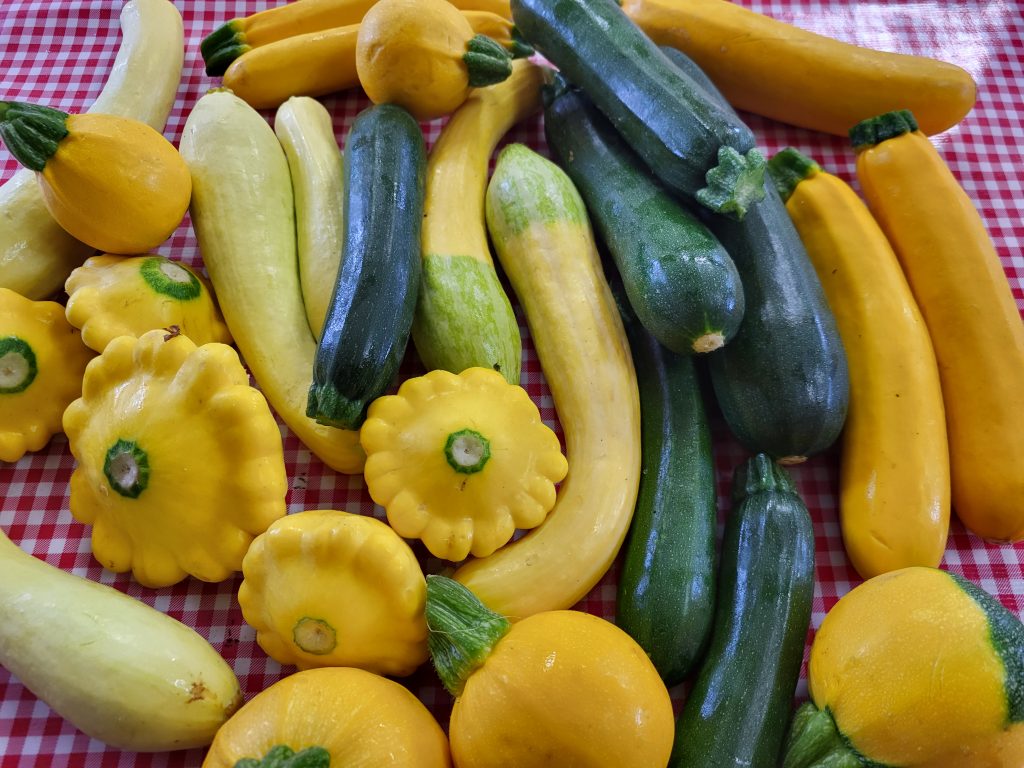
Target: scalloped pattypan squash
x,y
180,460
461,461
111,296
329,588
42,360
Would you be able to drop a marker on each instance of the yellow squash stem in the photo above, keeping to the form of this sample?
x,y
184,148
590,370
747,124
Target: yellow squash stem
x,y
543,239
463,317
798,77
894,463
958,281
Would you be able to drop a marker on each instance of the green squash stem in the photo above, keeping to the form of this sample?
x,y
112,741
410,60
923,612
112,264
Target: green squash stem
x,y
814,741
875,130
735,184
32,132
758,475
283,756
487,61
18,366
223,46
788,168
461,631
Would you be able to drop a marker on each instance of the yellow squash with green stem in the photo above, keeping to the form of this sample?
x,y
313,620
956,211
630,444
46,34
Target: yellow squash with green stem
x,y
36,254
543,239
461,461
42,361
243,215
423,55
958,281
894,464
918,668
356,717
114,183
329,588
559,688
179,460
463,317
778,70
111,296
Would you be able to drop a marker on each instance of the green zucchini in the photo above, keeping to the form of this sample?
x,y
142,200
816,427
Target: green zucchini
x,y
680,281
370,313
741,701
666,590
693,145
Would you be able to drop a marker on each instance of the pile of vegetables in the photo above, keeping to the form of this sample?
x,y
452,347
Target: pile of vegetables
x,y
662,264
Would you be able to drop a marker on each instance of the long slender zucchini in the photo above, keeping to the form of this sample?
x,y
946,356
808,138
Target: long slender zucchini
x,y
370,316
666,590
539,227
680,281
737,712
693,145
463,317
243,214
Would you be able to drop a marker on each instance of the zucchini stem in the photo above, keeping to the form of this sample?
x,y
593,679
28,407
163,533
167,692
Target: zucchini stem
x,y
815,742
283,756
487,61
32,132
735,184
875,130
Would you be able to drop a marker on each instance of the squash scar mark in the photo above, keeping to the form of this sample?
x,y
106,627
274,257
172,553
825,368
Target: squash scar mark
x,y
197,691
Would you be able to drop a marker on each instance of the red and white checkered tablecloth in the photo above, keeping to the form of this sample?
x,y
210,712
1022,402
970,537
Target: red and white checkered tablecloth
x,y
59,53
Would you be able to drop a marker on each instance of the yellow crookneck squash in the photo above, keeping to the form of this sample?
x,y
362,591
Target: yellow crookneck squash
x,y
111,296
42,361
557,689
112,182
917,668
328,588
339,716
958,281
423,55
894,465
461,461
180,460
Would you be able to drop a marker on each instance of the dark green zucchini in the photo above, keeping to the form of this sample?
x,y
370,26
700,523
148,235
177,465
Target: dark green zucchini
x,y
370,314
738,710
693,145
666,590
680,281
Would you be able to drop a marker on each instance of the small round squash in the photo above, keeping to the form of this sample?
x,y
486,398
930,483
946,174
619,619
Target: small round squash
x,y
357,717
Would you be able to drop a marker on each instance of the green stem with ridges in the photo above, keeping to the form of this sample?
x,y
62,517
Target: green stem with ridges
x,y
875,130
467,451
788,168
283,756
519,47
126,467
814,741
486,61
169,278
735,184
461,631
758,475
31,132
333,409
222,46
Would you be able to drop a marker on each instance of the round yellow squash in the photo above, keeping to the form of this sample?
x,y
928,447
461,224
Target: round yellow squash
x,y
917,668
360,719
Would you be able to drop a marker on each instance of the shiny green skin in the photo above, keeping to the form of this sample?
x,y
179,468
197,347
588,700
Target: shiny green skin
x,y
737,712
681,282
370,314
666,591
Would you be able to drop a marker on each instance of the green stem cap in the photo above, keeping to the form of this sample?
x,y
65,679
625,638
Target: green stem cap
x,y
127,468
814,741
461,631
18,367
283,756
467,451
519,47
32,132
735,184
875,130
757,475
222,46
788,168
487,61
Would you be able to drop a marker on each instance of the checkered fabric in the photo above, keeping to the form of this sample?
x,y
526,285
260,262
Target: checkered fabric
x,y
59,53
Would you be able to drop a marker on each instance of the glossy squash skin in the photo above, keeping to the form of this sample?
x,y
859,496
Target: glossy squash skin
x,y
360,718
463,317
541,234
976,329
803,78
894,461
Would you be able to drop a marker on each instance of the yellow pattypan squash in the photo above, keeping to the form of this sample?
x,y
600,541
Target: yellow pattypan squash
x,y
42,360
461,461
111,296
112,182
328,588
180,460
337,716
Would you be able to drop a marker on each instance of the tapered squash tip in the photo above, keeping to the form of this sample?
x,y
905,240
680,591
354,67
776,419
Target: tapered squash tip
x,y
814,741
461,631
788,168
735,184
487,61
874,130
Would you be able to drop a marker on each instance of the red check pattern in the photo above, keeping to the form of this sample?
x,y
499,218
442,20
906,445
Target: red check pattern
x,y
59,53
